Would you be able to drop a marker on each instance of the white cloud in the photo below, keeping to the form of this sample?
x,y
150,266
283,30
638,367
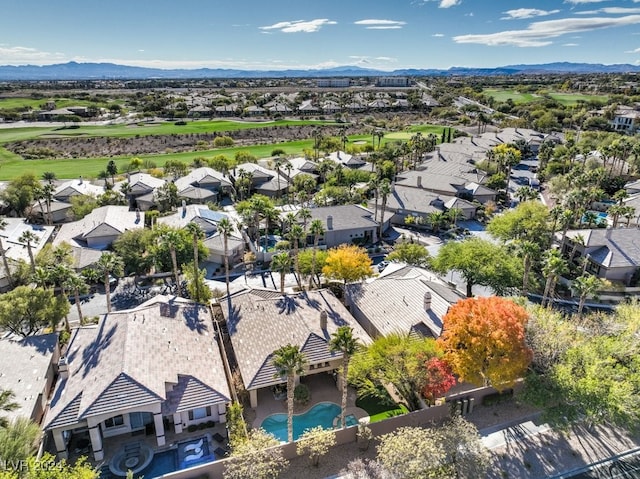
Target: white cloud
x,y
637,50
522,13
16,55
539,34
449,3
580,2
570,44
377,23
298,26
619,10
438,35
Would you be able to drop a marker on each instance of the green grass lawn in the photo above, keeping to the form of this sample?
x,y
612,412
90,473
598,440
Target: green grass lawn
x,y
407,134
567,99
504,95
18,103
379,411
571,99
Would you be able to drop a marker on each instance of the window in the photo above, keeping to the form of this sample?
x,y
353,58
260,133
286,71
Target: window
x,y
115,421
199,413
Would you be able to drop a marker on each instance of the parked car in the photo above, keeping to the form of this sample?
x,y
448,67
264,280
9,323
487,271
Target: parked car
x,y
382,265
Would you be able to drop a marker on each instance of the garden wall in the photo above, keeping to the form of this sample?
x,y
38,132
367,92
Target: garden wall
x,y
423,417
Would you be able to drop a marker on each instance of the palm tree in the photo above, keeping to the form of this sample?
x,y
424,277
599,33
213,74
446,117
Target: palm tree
x,y
305,215
197,234
455,214
296,233
289,362
281,263
109,264
554,266
526,193
586,286
112,170
374,184
170,238
342,341
385,191
435,219
77,284
225,228
49,177
590,217
528,250
47,194
5,260
317,230
28,238
7,405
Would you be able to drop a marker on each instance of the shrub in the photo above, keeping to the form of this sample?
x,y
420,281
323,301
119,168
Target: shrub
x,y
180,123
497,398
192,428
301,394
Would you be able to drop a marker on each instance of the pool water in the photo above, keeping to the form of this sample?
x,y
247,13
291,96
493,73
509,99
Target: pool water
x,y
162,463
322,414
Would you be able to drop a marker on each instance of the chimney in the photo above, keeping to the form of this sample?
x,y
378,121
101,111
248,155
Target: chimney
x,y
323,320
420,181
137,215
80,180
184,208
607,233
427,301
63,368
329,222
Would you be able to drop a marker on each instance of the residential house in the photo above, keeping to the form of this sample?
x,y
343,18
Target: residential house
x,y
140,189
345,224
611,253
59,211
346,160
153,368
263,181
299,166
71,188
17,251
409,300
262,321
28,371
203,185
100,228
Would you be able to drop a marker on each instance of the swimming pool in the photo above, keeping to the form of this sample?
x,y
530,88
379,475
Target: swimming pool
x,y
322,414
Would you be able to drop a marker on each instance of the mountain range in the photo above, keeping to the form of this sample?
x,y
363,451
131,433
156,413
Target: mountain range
x,y
111,71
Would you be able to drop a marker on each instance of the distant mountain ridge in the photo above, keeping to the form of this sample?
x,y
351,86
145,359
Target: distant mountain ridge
x,y
111,71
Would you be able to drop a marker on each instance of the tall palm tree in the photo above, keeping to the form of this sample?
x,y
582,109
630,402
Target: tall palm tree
x,y
49,177
385,191
374,184
295,235
7,405
317,230
47,194
526,193
28,238
5,260
586,286
281,263
197,234
289,361
305,215
170,238
109,264
528,250
554,266
342,341
226,228
455,214
78,286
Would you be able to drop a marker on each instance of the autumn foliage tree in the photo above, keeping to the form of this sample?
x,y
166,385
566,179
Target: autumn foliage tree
x,y
347,263
483,340
438,379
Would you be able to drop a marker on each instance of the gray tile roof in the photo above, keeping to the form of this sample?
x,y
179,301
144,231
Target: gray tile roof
x,y
23,369
135,357
612,247
345,217
262,321
394,303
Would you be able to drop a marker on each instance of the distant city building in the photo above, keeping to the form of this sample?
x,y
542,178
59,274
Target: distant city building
x,y
392,81
333,82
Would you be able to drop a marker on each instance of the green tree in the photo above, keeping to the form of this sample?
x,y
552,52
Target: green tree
x,y
343,342
167,196
281,263
29,239
411,253
133,246
19,440
112,170
397,359
554,266
7,405
25,310
20,193
529,221
296,233
347,263
225,228
109,264
169,239
317,230
196,287
82,205
385,191
236,425
197,234
586,285
75,283
289,362
468,456
315,442
528,250
256,458
81,469
479,262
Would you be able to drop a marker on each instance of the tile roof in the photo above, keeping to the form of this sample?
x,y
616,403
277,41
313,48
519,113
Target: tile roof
x,y
262,321
345,217
611,247
203,177
164,350
198,213
394,303
23,369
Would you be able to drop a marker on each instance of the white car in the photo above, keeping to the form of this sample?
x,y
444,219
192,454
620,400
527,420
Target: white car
x,y
382,265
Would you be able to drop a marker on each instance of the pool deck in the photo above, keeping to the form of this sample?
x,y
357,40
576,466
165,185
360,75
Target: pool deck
x,y
322,388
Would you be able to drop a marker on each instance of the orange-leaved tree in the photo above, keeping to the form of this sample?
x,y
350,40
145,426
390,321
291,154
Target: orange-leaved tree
x,y
483,340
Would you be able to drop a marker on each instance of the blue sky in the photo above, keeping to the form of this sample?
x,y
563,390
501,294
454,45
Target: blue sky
x,y
280,34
